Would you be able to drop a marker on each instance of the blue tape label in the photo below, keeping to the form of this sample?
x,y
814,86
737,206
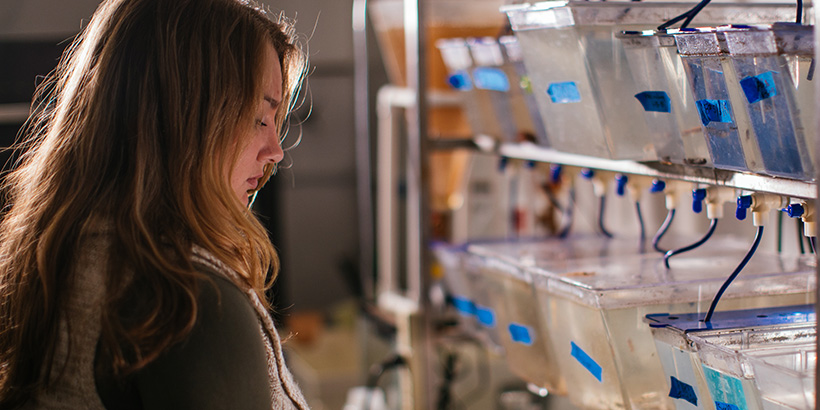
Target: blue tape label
x,y
464,306
681,390
521,334
489,78
586,361
485,316
460,80
726,390
714,111
725,406
655,101
563,93
759,87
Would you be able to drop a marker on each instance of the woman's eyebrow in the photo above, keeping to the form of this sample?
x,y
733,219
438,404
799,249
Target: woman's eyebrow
x,y
274,103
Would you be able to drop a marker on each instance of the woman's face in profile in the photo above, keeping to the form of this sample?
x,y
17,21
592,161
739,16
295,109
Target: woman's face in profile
x,y
262,147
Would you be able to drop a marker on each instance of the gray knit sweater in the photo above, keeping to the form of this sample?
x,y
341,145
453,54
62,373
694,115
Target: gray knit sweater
x,y
76,389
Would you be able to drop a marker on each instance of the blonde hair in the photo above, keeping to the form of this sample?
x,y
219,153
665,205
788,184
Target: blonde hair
x,y
137,127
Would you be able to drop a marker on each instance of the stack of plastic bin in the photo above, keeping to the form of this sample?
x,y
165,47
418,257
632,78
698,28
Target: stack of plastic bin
x,y
687,385
771,66
495,76
725,358
506,299
666,99
582,80
443,19
594,311
514,56
745,85
478,107
501,275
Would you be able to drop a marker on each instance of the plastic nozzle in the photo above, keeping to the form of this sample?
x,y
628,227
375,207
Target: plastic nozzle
x,y
698,195
806,212
744,202
658,185
758,204
599,180
621,180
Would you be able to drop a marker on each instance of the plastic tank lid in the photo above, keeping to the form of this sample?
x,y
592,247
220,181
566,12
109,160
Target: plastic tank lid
x,y
550,14
733,319
642,280
778,38
702,41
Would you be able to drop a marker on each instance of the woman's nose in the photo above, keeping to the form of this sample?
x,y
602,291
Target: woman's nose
x,y
272,149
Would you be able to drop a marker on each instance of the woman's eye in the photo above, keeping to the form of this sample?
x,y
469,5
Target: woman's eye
x,y
261,123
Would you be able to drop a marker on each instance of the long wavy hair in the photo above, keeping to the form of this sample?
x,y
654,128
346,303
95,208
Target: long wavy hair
x,y
138,126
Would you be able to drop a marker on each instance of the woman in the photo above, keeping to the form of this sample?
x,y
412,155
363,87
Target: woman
x,y
132,273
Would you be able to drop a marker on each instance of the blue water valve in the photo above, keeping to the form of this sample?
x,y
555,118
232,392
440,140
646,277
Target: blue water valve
x,y
744,202
621,181
795,210
555,173
658,185
588,173
698,195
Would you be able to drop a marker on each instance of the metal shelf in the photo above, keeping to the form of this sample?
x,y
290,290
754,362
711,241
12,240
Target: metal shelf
x,y
739,180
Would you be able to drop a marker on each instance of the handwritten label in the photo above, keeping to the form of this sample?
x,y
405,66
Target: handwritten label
x,y
655,101
489,78
588,362
681,390
485,316
759,87
563,93
714,111
520,334
460,80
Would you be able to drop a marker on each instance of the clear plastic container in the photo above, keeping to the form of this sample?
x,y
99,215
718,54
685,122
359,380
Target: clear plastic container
x,y
587,100
594,312
705,58
519,325
514,56
771,65
785,377
678,355
665,97
477,103
496,81
507,296
726,368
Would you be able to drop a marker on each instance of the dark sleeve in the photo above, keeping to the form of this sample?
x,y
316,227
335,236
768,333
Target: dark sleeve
x,y
222,364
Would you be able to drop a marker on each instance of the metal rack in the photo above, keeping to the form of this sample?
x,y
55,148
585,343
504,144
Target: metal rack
x,y
410,308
